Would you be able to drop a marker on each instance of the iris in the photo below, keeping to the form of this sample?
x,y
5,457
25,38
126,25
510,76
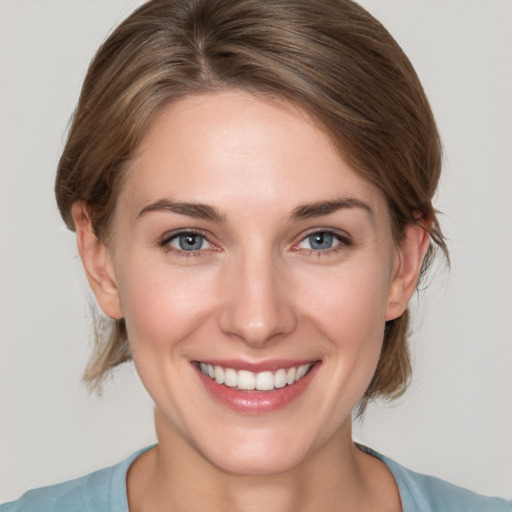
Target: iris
x,y
320,241
190,242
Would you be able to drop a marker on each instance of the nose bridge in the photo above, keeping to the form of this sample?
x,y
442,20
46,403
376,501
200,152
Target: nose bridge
x,y
258,306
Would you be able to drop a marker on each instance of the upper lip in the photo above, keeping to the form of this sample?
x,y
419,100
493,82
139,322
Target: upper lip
x,y
270,365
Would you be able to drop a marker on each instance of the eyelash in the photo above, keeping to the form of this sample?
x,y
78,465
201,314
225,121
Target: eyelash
x,y
166,241
343,242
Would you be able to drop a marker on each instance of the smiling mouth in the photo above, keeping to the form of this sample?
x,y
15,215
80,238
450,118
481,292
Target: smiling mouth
x,y
245,380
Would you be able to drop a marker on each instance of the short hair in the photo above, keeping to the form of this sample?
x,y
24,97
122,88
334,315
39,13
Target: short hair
x,y
331,58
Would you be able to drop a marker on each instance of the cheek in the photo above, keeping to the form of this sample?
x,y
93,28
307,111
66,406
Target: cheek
x,y
162,306
349,304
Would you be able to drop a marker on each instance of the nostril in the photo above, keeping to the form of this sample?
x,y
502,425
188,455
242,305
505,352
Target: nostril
x,y
257,307
257,332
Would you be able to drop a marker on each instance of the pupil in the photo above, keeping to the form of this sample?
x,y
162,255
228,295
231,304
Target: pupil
x,y
320,241
190,242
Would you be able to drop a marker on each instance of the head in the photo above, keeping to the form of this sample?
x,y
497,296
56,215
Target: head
x,y
329,59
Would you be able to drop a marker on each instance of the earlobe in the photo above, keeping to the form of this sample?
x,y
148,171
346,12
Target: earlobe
x,y
97,262
410,254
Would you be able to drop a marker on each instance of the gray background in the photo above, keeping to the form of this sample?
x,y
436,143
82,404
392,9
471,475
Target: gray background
x,y
456,419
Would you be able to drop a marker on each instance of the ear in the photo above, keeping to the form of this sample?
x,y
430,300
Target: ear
x,y
97,262
410,254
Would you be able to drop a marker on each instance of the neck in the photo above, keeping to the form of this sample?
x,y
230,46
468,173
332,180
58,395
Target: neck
x,y
337,477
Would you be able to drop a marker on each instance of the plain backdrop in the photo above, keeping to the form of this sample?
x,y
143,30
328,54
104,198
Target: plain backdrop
x,y
456,419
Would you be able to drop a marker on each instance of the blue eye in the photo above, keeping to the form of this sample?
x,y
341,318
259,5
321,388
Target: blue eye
x,y
188,241
320,241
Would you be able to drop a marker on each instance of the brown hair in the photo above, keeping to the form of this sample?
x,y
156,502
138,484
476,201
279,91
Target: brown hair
x,y
330,57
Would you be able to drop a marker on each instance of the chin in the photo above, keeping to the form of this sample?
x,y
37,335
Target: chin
x,y
270,450
256,460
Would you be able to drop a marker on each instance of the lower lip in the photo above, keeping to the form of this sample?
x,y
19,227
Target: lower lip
x,y
255,402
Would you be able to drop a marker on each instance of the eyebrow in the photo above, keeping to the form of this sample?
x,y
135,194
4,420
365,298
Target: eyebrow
x,y
197,210
206,212
319,208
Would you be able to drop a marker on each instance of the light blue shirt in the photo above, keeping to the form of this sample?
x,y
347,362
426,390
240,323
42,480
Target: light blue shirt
x,y
105,491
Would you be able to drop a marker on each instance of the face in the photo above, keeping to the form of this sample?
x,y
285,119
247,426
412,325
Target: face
x,y
255,271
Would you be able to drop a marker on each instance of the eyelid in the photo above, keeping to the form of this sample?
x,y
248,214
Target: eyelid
x,y
167,238
170,235
341,236
344,240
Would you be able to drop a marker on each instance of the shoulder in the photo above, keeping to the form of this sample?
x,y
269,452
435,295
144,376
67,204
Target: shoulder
x,y
424,493
429,493
101,491
71,496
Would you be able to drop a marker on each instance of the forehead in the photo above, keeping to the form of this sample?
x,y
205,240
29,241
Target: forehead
x,y
231,148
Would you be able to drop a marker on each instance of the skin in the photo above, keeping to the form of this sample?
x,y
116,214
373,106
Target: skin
x,y
257,290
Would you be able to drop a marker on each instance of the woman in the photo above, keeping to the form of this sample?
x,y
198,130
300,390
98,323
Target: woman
x,y
251,186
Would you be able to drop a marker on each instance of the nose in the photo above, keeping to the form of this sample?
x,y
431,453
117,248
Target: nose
x,y
258,306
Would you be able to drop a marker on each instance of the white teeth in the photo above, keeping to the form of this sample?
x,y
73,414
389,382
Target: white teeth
x,y
265,381
230,378
262,381
219,375
280,378
301,371
246,380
